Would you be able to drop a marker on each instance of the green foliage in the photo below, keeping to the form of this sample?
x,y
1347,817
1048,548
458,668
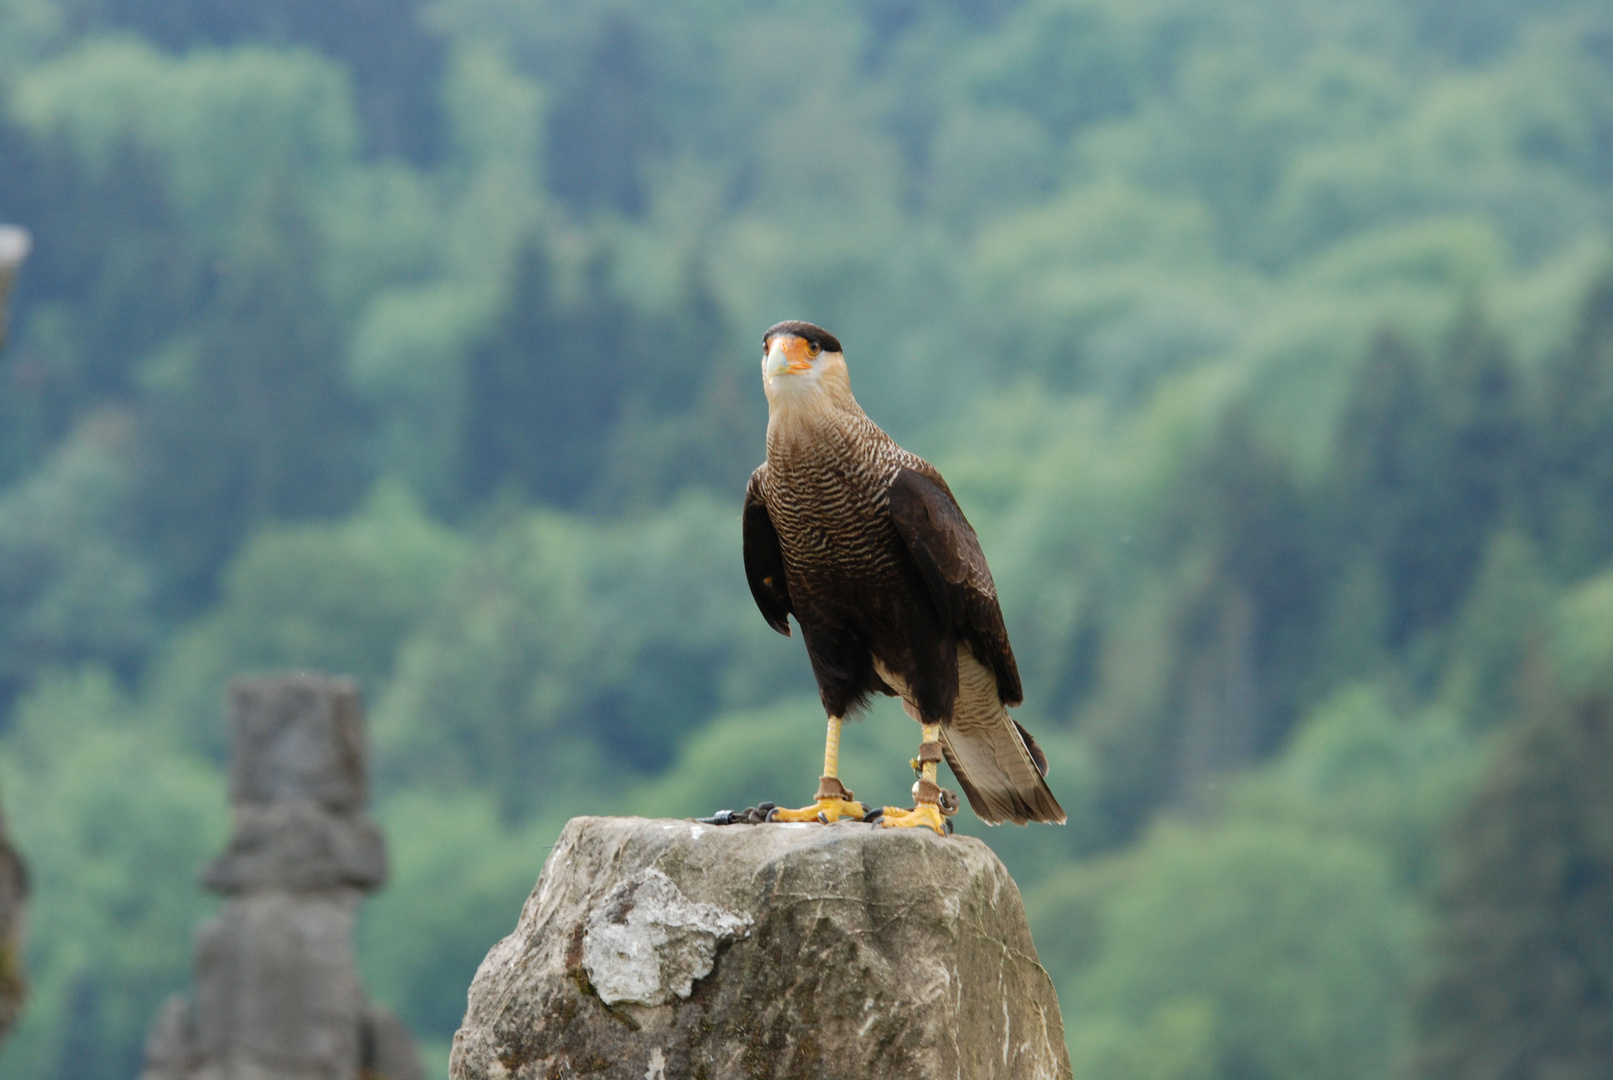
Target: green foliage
x,y
1521,951
1360,769
115,822
393,59
458,877
1242,950
226,127
568,655
321,597
75,588
1580,436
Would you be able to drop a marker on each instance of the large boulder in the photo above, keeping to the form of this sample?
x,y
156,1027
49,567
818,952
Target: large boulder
x,y
669,949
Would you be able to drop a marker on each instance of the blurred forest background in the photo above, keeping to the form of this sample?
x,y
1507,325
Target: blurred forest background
x,y
1268,344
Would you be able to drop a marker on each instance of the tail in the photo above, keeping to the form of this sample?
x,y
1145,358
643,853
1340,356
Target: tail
x,y
998,764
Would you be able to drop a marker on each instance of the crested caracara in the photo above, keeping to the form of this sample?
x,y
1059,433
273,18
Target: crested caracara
x,y
864,544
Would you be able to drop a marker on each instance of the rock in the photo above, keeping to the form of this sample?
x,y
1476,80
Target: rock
x,y
13,900
387,1050
277,990
298,737
276,982
670,949
648,943
298,845
15,243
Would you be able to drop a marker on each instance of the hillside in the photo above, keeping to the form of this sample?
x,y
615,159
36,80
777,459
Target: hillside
x,y
1268,344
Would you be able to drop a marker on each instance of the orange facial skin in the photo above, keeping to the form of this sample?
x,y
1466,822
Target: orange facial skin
x,y
798,352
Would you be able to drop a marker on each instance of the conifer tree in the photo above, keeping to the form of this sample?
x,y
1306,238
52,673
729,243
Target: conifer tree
x,y
1522,983
1428,460
1579,434
254,424
1481,454
545,388
1388,500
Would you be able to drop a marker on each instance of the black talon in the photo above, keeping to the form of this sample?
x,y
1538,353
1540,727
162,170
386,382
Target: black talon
x,y
767,808
875,814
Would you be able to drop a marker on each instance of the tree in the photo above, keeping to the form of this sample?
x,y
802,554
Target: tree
x,y
395,61
1234,952
108,280
114,821
255,423
1241,631
1522,983
605,127
1425,462
1578,493
546,387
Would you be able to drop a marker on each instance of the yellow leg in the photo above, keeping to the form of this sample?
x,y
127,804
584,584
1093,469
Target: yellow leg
x,y
932,734
834,801
927,811
831,749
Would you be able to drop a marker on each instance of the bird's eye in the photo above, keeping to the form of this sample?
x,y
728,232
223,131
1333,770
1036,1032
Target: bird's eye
x,y
813,349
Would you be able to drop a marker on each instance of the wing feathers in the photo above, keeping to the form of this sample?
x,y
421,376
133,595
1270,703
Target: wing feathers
x,y
948,555
764,557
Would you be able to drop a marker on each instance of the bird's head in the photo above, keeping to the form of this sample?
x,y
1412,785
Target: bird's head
x,y
802,366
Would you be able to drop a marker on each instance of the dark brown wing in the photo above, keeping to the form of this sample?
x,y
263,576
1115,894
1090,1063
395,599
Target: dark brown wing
x,y
948,554
764,558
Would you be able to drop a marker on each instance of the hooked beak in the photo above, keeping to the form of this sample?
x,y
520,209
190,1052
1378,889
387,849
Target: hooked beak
x,y
787,354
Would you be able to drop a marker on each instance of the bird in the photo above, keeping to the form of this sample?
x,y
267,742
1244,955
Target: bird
x,y
864,545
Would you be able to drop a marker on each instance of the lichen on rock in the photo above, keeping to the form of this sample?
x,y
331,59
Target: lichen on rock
x,y
649,942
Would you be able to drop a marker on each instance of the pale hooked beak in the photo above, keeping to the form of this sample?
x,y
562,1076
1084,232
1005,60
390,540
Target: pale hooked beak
x,y
787,354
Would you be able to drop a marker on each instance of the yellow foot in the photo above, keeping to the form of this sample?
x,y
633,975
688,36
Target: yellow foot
x,y
924,815
824,810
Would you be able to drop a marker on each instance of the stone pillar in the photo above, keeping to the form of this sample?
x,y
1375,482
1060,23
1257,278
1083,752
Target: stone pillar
x,y
14,246
13,897
277,992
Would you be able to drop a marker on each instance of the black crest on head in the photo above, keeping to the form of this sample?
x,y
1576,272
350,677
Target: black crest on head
x,y
817,335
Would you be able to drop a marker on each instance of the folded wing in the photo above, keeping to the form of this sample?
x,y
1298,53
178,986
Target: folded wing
x,y
764,557
948,555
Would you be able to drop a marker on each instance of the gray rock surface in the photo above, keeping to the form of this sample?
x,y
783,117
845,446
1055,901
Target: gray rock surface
x,y
667,949
277,991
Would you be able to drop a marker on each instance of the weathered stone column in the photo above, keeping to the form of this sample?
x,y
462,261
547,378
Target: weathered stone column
x,y
277,992
14,246
13,899
664,950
